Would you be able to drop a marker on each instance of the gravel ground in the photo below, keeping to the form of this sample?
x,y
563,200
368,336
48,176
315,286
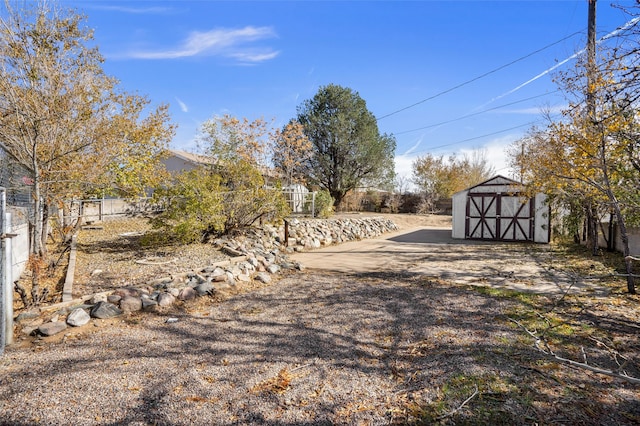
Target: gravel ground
x,y
318,348
309,349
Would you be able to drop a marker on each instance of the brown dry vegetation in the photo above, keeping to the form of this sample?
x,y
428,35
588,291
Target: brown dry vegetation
x,y
317,348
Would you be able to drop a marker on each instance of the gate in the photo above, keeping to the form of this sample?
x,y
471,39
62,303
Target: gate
x,y
499,217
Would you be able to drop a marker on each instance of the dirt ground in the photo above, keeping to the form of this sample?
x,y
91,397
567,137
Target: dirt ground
x,y
423,245
400,344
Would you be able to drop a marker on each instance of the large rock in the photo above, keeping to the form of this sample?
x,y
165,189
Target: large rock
x,y
187,293
130,304
149,305
204,288
78,317
166,299
104,310
263,277
51,328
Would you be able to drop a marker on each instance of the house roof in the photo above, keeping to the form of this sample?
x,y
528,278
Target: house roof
x,y
191,157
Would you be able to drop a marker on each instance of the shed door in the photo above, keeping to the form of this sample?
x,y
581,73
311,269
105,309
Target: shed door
x,y
499,217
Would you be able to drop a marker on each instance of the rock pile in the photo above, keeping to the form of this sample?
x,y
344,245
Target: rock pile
x,y
254,254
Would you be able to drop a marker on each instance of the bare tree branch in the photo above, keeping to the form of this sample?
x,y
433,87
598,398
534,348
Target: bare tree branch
x,y
465,402
584,365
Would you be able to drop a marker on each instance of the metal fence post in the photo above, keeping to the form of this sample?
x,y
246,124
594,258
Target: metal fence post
x,y
6,275
3,277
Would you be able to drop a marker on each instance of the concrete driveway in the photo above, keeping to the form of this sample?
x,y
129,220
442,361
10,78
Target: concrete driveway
x,y
430,251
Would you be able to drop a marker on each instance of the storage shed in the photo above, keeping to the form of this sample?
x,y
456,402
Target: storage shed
x,y
498,210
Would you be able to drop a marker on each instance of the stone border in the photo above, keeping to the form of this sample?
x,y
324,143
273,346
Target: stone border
x,y
258,253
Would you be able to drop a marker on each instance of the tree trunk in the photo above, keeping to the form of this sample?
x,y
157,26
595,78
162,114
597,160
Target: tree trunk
x,y
338,196
592,228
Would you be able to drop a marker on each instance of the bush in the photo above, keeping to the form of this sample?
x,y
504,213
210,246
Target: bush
x,y
323,207
204,203
194,208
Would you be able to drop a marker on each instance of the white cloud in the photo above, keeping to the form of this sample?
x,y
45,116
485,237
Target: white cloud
x,y
130,10
182,105
403,167
495,152
220,42
247,57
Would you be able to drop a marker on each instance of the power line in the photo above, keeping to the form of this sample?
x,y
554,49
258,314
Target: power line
x,y
474,114
479,137
477,78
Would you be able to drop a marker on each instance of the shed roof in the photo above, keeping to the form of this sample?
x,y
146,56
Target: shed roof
x,y
497,180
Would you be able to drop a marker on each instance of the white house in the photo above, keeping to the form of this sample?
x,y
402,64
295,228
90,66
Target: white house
x,y
498,210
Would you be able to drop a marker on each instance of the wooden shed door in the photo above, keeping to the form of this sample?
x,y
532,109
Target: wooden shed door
x,y
499,217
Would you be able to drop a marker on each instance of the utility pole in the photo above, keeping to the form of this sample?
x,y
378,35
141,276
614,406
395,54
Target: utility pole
x,y
591,60
590,99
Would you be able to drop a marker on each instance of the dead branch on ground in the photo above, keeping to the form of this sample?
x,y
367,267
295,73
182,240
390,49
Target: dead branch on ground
x,y
465,402
543,347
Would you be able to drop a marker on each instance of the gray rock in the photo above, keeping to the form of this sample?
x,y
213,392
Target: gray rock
x,y
187,293
51,328
78,317
130,304
26,316
103,310
174,292
243,278
273,268
97,298
114,298
263,277
204,288
149,305
166,299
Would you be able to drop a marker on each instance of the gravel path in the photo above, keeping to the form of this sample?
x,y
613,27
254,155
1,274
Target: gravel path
x,y
309,349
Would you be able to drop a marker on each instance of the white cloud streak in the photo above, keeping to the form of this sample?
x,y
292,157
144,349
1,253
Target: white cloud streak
x,y
131,10
613,33
219,42
183,106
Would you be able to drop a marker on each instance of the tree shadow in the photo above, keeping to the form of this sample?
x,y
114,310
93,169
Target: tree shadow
x,y
366,348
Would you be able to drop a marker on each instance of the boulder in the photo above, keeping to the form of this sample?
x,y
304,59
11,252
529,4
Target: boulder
x,y
149,305
187,293
263,277
166,299
51,328
103,310
130,304
78,317
204,288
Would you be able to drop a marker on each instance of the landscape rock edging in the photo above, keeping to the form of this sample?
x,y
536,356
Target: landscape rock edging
x,y
258,253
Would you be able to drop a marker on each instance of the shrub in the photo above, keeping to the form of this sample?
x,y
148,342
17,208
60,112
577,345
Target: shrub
x,y
208,202
323,207
194,208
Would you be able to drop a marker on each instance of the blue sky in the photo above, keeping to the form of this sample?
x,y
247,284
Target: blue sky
x,y
417,64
